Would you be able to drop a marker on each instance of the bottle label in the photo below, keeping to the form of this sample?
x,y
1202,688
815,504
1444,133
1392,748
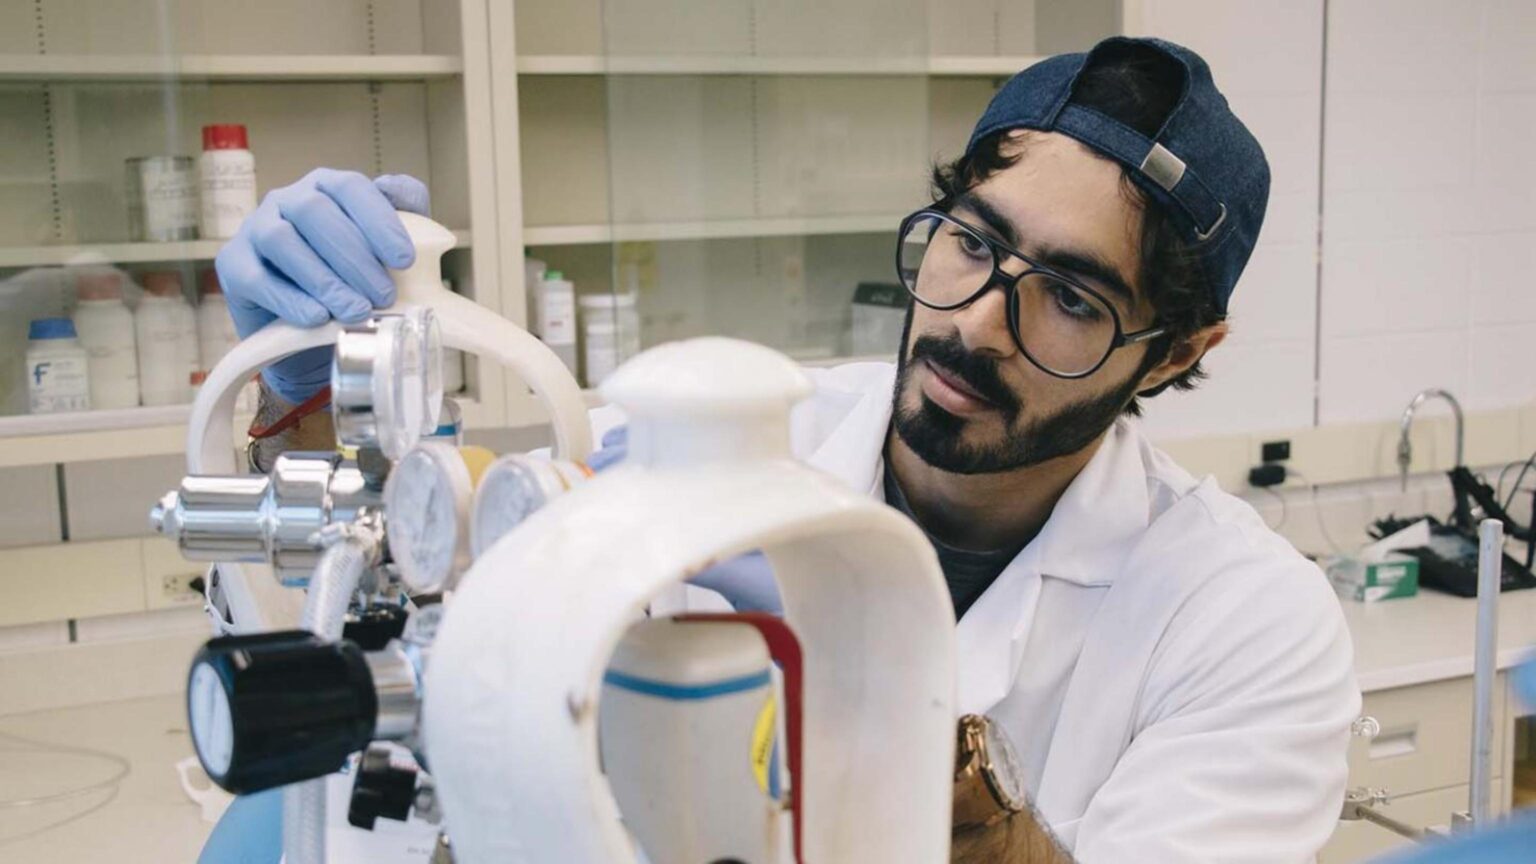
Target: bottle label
x,y
57,383
557,317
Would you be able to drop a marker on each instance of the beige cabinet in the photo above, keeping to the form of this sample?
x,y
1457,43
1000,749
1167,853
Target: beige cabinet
x,y
1422,758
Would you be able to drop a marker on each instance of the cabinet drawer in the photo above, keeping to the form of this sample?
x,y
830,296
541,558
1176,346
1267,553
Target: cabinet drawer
x,y
1361,841
1426,737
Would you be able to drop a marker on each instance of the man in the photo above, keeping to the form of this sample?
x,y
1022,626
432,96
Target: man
x,y
1175,679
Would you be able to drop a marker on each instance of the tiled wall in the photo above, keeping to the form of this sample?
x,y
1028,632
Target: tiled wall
x,y
1428,207
1267,58
1429,219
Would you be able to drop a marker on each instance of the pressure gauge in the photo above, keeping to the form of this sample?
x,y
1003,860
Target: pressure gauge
x,y
426,504
213,733
387,381
515,487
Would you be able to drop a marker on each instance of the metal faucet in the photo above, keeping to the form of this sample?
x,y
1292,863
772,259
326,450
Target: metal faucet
x,y
1405,449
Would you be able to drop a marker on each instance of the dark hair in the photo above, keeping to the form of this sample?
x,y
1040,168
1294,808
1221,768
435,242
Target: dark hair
x,y
1137,87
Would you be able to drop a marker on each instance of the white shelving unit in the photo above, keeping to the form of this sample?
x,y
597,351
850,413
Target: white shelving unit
x,y
378,86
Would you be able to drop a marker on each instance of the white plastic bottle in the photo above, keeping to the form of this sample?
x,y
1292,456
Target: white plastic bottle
x,y
105,328
555,316
227,179
166,328
58,376
610,333
216,334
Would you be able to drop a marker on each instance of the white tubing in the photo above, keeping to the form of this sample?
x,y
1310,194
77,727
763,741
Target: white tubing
x,y
331,588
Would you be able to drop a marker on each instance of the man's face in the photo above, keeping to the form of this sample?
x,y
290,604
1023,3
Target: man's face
x,y
967,401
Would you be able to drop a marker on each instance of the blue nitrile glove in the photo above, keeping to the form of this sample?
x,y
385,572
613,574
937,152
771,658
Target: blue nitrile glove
x,y
746,582
316,250
249,832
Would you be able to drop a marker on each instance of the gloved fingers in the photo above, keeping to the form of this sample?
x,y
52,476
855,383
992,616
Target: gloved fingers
x,y
279,243
300,376
405,192
246,278
338,241
746,582
250,831
372,211
614,448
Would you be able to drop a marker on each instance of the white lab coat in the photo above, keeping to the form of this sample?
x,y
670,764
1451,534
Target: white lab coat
x,y
1177,679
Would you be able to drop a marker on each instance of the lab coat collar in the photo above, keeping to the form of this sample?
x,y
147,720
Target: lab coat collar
x,y
1099,519
1093,528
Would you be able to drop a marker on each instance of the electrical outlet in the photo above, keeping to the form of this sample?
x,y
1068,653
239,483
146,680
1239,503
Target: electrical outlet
x,y
177,588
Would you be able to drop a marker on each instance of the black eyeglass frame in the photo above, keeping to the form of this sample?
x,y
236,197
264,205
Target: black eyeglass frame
x,y
1010,286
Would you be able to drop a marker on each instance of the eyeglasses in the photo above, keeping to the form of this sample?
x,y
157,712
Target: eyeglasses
x,y
1064,327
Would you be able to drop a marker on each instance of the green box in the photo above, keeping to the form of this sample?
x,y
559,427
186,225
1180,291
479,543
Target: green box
x,y
1369,581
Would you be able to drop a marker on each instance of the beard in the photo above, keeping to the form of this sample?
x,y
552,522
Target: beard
x,y
938,437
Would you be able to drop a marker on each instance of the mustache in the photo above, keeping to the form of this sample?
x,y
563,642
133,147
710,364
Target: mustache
x,y
979,373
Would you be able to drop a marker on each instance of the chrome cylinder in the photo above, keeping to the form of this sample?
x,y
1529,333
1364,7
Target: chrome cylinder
x,y
398,688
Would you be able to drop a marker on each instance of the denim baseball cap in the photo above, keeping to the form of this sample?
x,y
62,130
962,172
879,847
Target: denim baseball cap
x,y
1203,166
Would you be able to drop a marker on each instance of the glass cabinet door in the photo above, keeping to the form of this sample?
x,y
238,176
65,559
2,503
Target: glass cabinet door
x,y
110,163
740,167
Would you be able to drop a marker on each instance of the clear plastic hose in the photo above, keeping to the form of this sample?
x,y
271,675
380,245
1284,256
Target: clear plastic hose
x,y
352,548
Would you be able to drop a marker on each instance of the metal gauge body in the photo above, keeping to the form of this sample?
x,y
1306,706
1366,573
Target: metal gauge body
x,y
513,488
387,381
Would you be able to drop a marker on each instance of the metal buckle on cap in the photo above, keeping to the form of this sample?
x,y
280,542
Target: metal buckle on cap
x,y
1203,236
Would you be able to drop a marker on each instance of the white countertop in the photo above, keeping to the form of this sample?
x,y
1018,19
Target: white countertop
x,y
1429,637
149,819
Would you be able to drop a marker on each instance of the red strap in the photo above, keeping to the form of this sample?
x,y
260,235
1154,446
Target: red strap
x,y
784,648
312,405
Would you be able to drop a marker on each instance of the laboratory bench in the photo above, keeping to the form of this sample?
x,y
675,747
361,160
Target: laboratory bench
x,y
1413,656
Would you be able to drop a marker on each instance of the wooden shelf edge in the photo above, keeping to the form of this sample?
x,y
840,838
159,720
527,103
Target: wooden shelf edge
x,y
227,67
88,254
943,65
571,235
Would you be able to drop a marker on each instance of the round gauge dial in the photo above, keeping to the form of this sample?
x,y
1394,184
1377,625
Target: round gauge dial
x,y
509,492
426,501
213,731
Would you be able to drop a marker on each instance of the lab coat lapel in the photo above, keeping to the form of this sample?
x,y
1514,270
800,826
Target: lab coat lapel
x,y
1094,525
852,451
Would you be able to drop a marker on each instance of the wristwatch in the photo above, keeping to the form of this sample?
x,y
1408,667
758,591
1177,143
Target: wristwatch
x,y
989,785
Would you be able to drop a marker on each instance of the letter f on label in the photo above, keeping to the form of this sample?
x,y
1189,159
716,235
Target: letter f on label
x,y
37,372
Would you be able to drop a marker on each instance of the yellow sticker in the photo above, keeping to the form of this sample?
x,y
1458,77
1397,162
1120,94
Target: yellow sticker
x,y
762,742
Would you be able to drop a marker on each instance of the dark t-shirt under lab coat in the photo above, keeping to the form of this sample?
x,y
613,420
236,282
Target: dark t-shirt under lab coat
x,y
968,573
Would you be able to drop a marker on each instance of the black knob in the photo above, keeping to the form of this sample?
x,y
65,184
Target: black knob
x,y
375,626
275,708
381,789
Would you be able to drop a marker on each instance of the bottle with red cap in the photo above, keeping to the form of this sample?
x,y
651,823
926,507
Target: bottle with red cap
x,y
228,180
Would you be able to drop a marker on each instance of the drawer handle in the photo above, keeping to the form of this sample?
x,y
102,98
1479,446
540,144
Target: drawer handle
x,y
1401,741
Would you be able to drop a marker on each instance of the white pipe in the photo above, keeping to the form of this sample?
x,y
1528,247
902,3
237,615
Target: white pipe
x,y
331,588
1489,568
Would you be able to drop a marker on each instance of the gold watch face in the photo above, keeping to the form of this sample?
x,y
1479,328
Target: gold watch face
x,y
1001,766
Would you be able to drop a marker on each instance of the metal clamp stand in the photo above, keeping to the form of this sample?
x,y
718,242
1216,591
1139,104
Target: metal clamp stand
x,y
1361,803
